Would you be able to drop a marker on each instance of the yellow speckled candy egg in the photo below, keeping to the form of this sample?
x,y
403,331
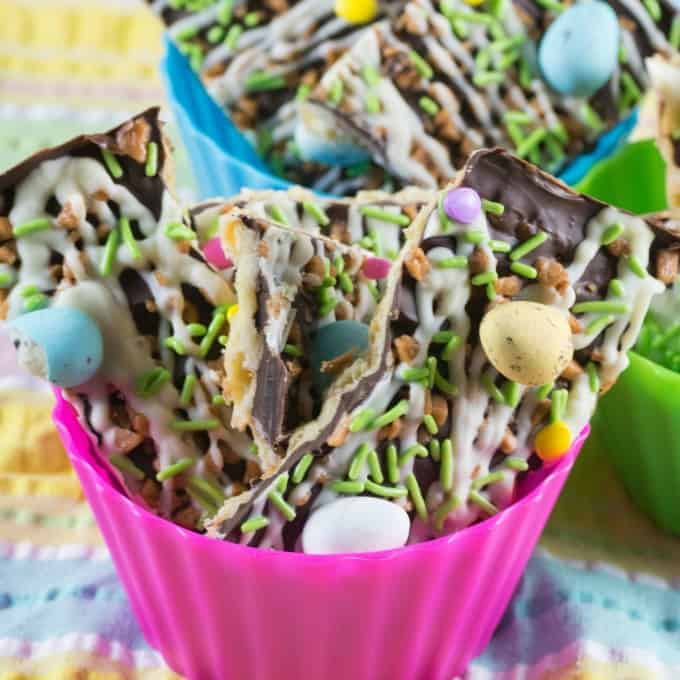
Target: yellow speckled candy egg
x,y
357,11
527,342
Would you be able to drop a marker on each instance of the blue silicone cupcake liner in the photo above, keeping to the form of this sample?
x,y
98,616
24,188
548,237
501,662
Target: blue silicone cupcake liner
x,y
224,161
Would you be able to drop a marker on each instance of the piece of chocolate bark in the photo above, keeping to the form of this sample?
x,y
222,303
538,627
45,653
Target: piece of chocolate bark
x,y
422,91
441,432
92,226
257,59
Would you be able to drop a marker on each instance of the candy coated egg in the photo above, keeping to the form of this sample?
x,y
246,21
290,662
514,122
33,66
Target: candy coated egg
x,y
355,524
215,255
319,139
334,340
579,52
462,205
376,268
60,344
527,342
553,442
357,11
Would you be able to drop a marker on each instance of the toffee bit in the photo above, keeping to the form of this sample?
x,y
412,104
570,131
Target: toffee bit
x,y
418,265
406,348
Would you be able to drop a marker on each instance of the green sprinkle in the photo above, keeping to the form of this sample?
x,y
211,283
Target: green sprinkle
x,y
517,117
493,207
277,500
525,75
416,496
339,264
209,508
491,389
110,250
429,105
223,340
327,306
443,511
444,385
591,118
602,306
317,212
7,278
366,242
499,246
179,232
224,11
261,81
303,92
281,483
362,420
372,103
176,345
616,288
194,425
483,59
654,9
32,227
558,405
219,400
29,291
446,465
491,478
451,346
112,164
215,34
442,337
530,244
636,267
512,393
479,500
124,464
552,5
412,451
430,424
491,291
370,75
302,467
277,214
348,488
374,468
474,236
674,37
213,331
455,262
484,78
531,142
392,463
397,411
525,270
292,350
516,464
335,92
207,489
35,302
385,491
611,233
177,468
415,374
254,524
151,168
593,377
187,389
484,278
196,330
346,284
384,215
151,382
599,324
543,391
431,371
675,135
423,68
129,238
358,462
622,54
435,450
251,19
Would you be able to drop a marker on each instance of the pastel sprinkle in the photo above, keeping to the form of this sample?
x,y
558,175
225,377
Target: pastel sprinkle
x,y
112,164
611,233
32,227
525,270
416,495
317,212
254,524
302,467
124,464
385,215
129,238
194,425
529,245
177,468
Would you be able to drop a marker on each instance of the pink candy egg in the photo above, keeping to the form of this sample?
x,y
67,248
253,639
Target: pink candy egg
x,y
376,268
213,252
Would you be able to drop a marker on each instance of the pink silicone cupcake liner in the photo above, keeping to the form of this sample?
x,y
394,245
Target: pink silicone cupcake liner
x,y
221,611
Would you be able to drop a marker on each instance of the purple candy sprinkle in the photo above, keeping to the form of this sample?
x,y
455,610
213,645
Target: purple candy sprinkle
x,y
462,205
376,267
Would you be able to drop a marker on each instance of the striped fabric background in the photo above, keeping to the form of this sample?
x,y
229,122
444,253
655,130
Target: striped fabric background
x,y
600,599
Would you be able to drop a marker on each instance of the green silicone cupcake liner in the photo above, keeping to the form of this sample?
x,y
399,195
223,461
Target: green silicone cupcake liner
x,y
638,421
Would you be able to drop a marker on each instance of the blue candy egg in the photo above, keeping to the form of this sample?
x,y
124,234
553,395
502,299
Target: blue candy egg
x,y
60,344
319,139
579,51
334,340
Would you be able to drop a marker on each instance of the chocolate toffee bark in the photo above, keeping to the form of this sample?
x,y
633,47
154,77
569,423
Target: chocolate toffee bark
x,y
441,432
257,58
91,227
457,78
